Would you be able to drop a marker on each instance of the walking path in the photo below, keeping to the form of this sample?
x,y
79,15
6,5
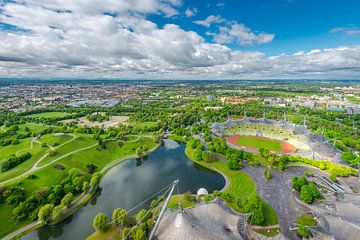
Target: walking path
x,y
36,167
79,200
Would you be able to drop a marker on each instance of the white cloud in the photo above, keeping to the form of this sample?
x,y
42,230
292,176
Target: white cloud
x,y
212,19
348,31
241,34
76,39
232,31
191,12
220,4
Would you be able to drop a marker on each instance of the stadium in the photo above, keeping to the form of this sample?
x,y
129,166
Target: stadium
x,y
282,137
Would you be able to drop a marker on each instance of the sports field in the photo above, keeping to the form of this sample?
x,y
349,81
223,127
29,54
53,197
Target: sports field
x,y
255,143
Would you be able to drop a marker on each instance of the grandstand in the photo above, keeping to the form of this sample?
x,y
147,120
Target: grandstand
x,y
308,144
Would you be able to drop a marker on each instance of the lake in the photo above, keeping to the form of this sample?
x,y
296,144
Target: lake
x,y
131,182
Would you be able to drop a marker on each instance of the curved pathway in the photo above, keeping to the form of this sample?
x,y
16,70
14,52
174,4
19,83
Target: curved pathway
x,y
277,192
79,200
36,167
27,149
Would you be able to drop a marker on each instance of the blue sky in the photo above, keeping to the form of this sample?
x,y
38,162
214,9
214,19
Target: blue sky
x,y
299,25
244,39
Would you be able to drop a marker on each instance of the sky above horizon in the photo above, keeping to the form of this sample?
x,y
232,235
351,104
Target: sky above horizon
x,y
180,39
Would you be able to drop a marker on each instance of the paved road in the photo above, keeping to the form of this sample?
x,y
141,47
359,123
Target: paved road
x,y
278,193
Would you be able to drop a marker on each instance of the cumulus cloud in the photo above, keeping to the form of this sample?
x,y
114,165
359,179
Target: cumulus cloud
x,y
241,34
232,31
348,31
191,12
212,19
88,38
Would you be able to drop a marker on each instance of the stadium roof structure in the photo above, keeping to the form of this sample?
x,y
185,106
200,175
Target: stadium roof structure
x,y
207,220
343,222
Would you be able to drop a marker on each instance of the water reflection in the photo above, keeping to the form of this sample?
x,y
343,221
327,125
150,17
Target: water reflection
x,y
129,183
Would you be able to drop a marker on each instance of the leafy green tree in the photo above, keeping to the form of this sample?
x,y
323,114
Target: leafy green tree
x,y
85,186
208,156
67,200
119,216
306,194
232,164
314,190
125,232
99,222
45,212
254,205
91,168
141,216
139,233
198,154
303,232
57,213
95,180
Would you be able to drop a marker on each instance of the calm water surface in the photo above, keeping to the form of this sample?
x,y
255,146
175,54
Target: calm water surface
x,y
131,182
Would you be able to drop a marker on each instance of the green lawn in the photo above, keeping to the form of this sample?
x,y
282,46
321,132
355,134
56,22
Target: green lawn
x,y
241,185
249,141
82,141
271,217
6,151
306,220
176,138
54,140
268,232
175,199
110,232
49,115
7,225
144,124
37,153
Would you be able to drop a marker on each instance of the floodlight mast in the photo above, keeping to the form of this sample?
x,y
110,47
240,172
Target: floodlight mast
x,y
152,234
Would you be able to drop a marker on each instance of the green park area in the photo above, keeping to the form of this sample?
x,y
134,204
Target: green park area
x,y
240,187
49,115
58,154
259,142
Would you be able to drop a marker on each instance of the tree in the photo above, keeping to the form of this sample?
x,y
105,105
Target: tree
x,y
198,154
314,190
267,174
303,232
254,205
91,168
194,143
139,233
99,222
141,216
305,194
85,187
57,213
125,232
95,180
233,165
298,182
119,216
67,200
45,212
